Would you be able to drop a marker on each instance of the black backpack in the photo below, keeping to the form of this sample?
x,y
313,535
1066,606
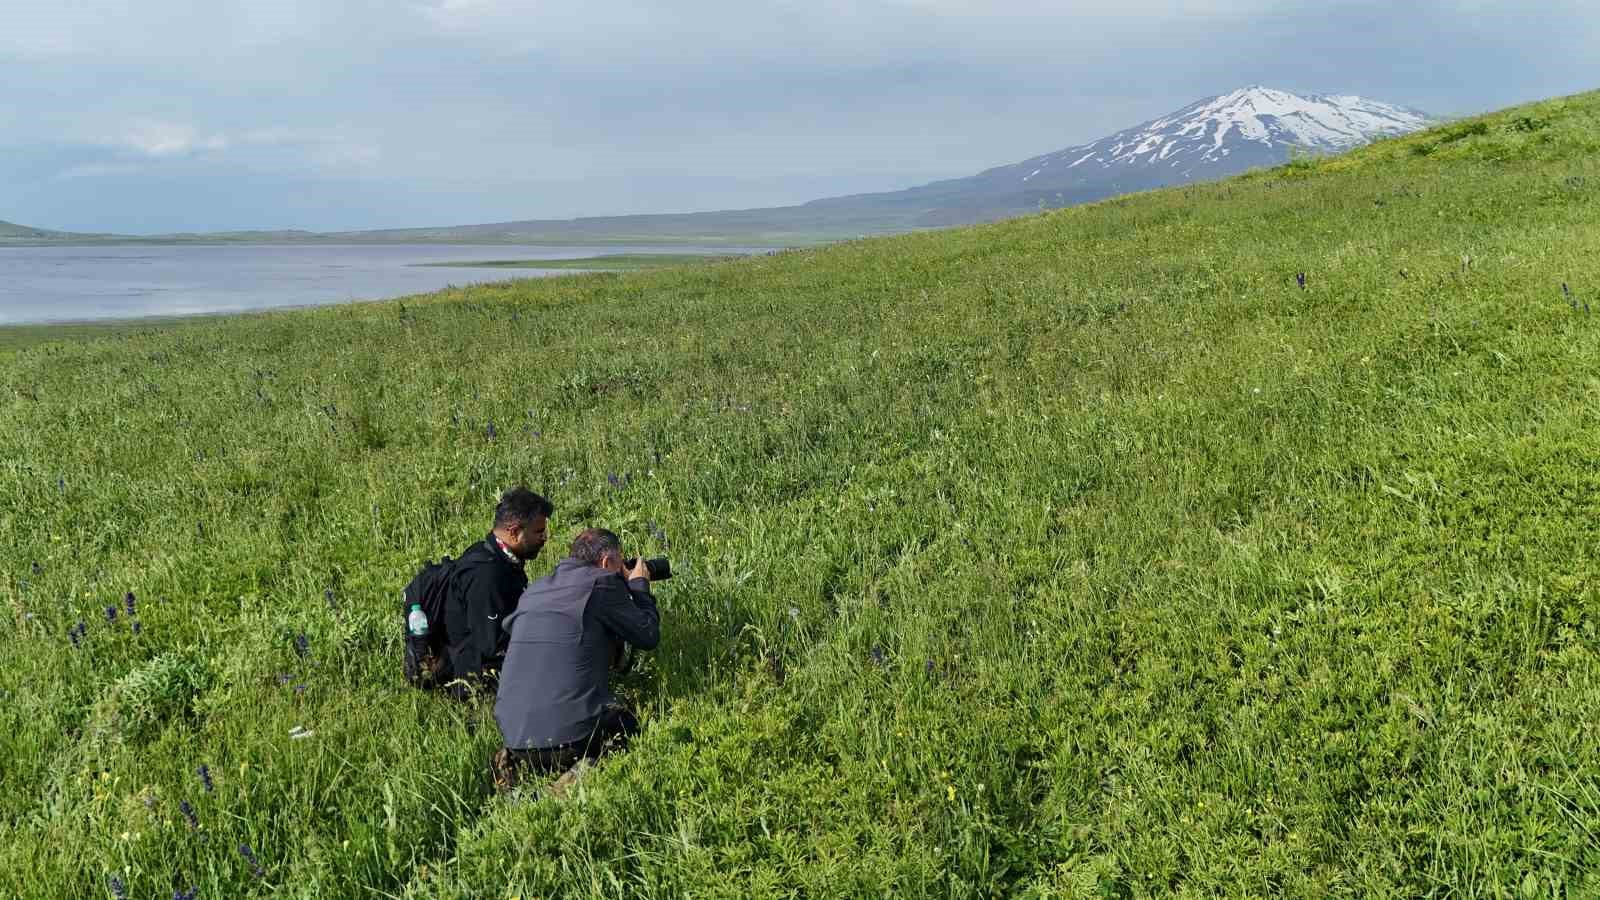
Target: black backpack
x,y
427,664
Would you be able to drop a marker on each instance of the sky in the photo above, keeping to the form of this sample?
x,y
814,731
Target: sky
x,y
197,115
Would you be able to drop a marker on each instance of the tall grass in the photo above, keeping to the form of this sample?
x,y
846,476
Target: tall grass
x,y
1083,554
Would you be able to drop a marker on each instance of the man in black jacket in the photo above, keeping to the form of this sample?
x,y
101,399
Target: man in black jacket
x,y
484,587
554,704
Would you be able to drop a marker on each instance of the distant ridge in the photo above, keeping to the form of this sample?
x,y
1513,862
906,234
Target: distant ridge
x,y
11,230
1209,139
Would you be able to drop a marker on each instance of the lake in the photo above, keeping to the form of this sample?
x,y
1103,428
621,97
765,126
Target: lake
x,y
58,284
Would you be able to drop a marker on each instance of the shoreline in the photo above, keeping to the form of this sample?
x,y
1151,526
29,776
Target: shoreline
x,y
30,332
617,262
18,335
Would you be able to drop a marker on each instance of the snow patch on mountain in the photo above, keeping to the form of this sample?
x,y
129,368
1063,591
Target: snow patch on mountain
x,y
1260,122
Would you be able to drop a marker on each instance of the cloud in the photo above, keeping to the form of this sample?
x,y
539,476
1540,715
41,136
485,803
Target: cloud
x,y
154,140
527,108
162,139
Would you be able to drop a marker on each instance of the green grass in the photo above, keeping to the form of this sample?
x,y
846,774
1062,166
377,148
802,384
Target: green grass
x,y
1079,555
17,337
615,262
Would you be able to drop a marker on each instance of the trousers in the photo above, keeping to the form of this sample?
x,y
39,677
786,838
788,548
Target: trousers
x,y
510,767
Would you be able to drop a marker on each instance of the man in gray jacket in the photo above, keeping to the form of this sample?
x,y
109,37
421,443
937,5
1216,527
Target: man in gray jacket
x,y
554,704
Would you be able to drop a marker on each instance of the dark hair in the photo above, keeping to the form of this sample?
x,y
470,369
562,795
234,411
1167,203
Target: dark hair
x,y
519,506
592,544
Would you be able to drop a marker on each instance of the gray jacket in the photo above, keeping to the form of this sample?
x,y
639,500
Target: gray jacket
x,y
556,678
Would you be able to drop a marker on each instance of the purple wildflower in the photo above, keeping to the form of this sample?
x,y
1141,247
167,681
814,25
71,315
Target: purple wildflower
x,y
136,627
299,689
192,893
1301,279
111,614
490,430
284,678
877,656
250,857
333,603
929,668
205,777
614,481
118,889
36,569
76,633
128,601
188,814
302,645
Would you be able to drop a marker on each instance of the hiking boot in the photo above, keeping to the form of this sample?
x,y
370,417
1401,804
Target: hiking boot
x,y
561,786
505,771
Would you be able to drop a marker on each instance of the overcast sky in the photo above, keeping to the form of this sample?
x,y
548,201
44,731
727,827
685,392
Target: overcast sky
x,y
163,115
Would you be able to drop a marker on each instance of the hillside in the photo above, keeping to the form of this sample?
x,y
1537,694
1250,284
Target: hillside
x,y
1093,553
20,233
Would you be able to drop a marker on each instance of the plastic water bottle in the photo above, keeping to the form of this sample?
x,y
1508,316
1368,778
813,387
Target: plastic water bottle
x,y
417,621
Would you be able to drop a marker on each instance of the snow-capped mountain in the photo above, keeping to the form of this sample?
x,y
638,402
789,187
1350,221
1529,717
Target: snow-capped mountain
x,y
1214,138
1259,125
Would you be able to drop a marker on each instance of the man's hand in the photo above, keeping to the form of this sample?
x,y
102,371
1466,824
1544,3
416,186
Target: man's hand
x,y
639,570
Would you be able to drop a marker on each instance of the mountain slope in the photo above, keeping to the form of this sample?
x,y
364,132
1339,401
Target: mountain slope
x,y
1212,138
1220,136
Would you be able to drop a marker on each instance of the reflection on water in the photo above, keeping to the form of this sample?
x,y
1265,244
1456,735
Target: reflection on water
x,y
51,284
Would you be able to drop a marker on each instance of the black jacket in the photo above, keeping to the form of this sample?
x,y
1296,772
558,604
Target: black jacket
x,y
484,587
556,679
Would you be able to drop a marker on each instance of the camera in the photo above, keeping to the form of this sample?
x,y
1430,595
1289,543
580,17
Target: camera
x,y
659,567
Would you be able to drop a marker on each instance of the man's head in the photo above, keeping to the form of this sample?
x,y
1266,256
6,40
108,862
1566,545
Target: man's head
x,y
598,547
520,521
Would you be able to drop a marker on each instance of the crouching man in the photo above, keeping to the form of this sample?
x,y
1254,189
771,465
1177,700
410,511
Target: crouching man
x,y
554,705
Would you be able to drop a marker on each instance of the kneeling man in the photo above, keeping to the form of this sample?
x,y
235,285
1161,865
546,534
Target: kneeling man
x,y
554,704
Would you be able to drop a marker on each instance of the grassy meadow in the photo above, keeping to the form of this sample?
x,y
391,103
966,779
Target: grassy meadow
x,y
1082,555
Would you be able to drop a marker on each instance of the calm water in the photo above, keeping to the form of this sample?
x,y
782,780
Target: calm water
x,y
54,284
